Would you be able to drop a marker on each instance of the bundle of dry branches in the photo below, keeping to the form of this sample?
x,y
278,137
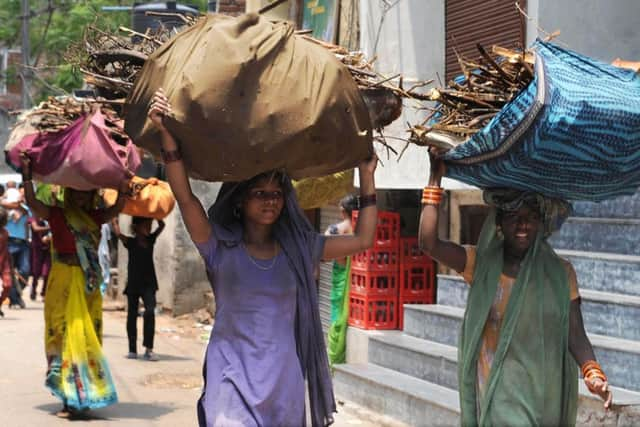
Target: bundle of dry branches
x,y
111,62
56,114
469,103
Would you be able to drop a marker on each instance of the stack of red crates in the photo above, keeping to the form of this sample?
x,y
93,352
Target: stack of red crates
x,y
417,277
374,281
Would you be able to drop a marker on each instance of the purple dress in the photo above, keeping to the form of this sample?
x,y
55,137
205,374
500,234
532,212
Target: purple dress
x,y
252,372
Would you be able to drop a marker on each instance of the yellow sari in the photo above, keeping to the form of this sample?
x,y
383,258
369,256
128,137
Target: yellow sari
x,y
78,373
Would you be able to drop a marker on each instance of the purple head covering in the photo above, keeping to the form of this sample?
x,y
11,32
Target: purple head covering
x,y
296,238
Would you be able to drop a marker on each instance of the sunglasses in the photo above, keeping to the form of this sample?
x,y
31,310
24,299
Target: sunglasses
x,y
265,196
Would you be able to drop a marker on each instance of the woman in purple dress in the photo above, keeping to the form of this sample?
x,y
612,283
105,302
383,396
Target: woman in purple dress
x,y
261,253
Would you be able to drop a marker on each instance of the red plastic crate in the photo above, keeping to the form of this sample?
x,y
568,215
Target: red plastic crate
x,y
417,280
410,252
387,230
371,312
374,283
409,300
376,259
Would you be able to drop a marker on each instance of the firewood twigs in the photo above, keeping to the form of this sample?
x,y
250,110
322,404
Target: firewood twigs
x,y
472,100
56,114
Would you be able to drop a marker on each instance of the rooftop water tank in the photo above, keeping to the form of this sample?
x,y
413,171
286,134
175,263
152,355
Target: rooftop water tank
x,y
142,21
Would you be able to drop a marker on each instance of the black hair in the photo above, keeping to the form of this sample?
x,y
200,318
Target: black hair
x,y
136,220
349,203
3,217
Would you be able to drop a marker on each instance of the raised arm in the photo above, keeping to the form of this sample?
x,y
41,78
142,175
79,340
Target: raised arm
x,y
41,210
39,228
364,234
193,214
118,232
448,253
113,211
158,230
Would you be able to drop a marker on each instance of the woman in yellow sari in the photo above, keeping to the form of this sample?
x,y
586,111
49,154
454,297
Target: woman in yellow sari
x,y
77,371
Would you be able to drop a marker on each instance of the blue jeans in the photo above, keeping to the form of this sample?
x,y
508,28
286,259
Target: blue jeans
x,y
20,261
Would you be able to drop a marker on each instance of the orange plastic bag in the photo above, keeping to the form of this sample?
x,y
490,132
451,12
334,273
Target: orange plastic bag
x,y
151,198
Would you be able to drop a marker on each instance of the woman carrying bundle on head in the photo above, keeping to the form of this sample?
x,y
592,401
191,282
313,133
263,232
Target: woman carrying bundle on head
x,y
522,336
261,253
77,371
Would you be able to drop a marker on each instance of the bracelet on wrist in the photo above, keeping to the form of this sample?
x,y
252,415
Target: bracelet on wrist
x,y
171,155
366,201
590,371
432,195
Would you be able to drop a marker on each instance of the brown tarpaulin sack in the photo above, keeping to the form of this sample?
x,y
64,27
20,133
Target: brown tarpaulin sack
x,y
249,96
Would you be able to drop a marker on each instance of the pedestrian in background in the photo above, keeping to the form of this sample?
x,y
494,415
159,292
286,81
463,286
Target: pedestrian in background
x,y
5,260
141,282
337,335
19,248
40,255
261,252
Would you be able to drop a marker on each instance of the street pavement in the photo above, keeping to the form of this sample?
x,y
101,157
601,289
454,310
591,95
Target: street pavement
x,y
162,393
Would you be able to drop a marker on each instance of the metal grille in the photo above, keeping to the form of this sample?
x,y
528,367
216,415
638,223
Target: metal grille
x,y
489,22
328,215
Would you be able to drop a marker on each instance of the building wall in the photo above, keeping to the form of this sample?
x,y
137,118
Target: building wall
x,y
411,41
601,29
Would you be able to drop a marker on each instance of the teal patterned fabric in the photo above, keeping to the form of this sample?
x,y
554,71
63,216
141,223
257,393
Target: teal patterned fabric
x,y
573,133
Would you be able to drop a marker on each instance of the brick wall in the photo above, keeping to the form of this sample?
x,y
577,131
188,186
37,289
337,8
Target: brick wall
x,y
231,7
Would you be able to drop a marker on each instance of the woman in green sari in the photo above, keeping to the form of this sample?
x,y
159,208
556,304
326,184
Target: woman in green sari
x,y
337,335
522,335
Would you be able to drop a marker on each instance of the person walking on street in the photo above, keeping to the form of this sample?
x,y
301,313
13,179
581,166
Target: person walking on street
x,y
18,229
522,335
5,260
77,371
141,282
261,252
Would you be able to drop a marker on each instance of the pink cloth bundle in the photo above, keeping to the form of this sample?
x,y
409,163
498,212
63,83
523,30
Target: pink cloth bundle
x,y
83,156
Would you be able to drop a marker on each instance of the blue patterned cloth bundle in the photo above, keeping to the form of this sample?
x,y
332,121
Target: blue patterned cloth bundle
x,y
573,133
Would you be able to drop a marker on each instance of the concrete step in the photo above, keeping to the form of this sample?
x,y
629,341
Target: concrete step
x,y
611,235
438,363
604,313
452,291
426,360
611,314
423,403
601,271
403,397
620,207
619,357
598,271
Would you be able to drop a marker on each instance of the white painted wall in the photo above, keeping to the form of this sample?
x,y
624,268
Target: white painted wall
x,y
410,41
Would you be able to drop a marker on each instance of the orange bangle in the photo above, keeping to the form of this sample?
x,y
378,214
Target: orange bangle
x,y
588,365
432,191
597,373
434,202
